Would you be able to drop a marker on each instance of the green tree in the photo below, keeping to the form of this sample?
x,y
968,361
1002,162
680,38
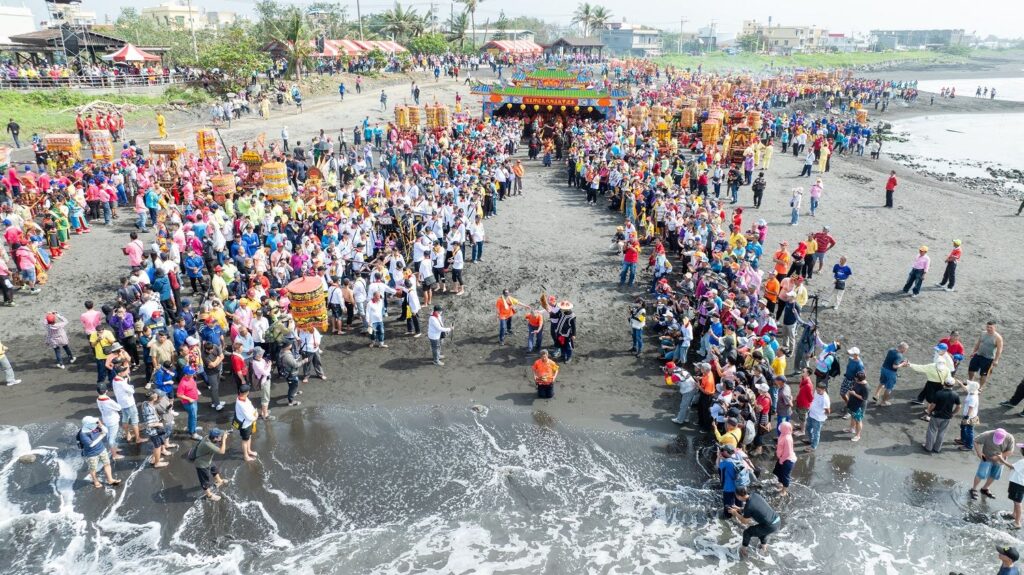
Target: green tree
x,y
293,36
401,24
457,26
428,44
237,54
749,42
471,6
599,18
500,26
583,16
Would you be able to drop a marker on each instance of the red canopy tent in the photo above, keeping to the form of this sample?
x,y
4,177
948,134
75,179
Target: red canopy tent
x,y
513,47
129,53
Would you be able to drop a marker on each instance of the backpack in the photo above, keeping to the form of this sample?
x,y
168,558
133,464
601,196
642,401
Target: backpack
x,y
78,440
743,475
834,369
193,452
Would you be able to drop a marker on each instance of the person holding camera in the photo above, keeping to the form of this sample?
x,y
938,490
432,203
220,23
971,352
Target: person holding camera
x,y
155,429
216,443
436,331
290,365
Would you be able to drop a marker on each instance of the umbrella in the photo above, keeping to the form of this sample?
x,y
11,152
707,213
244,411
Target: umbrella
x,y
129,53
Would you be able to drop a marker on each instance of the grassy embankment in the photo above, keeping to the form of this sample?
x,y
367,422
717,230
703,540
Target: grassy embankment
x,y
50,111
748,61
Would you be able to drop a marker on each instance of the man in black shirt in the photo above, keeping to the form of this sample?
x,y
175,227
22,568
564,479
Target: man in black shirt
x,y
755,511
14,130
941,409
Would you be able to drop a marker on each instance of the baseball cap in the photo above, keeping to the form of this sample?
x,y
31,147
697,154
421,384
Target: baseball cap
x,y
90,423
941,347
853,351
1007,551
215,433
999,435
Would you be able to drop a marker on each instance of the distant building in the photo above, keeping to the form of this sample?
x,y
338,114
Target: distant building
x,y
15,20
894,39
624,39
573,45
840,43
485,35
787,39
181,16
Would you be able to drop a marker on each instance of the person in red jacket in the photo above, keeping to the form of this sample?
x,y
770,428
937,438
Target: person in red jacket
x,y
630,255
890,188
804,398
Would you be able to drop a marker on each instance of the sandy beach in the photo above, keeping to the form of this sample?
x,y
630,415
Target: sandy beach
x,y
550,240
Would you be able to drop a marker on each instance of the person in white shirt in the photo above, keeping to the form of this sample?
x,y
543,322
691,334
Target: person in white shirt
x,y
477,231
375,319
110,415
427,280
436,330
817,415
124,391
336,306
412,306
245,418
309,346
359,296
458,261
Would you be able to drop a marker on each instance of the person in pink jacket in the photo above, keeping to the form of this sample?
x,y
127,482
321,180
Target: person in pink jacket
x,y
785,457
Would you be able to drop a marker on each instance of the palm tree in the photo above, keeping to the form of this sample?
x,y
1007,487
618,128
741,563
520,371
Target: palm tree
x,y
294,38
401,23
457,26
583,16
471,6
599,18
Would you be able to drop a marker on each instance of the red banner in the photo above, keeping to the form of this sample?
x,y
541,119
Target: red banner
x,y
540,101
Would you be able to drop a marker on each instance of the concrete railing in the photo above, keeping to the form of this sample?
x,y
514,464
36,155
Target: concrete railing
x,y
87,82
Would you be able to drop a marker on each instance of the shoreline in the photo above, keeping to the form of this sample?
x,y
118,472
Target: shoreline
x,y
608,387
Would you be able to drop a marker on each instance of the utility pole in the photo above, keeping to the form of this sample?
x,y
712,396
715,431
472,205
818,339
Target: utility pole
x,y
359,15
192,30
681,22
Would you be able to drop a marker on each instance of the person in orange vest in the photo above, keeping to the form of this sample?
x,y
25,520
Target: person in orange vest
x,y
517,180
545,370
80,125
506,306
535,330
771,292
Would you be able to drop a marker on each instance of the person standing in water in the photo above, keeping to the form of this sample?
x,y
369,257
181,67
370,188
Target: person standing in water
x,y
761,519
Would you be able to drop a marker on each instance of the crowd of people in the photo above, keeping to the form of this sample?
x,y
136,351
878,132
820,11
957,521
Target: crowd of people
x,y
391,228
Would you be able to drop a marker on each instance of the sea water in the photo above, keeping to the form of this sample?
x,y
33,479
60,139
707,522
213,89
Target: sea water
x,y
450,490
1006,88
966,145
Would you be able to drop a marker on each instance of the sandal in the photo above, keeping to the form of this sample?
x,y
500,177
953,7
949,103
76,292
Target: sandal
x,y
973,493
987,493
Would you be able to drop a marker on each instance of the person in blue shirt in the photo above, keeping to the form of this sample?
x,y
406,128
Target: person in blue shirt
x,y
341,91
164,378
727,473
92,440
180,334
251,241
854,366
194,270
212,332
1008,557
840,273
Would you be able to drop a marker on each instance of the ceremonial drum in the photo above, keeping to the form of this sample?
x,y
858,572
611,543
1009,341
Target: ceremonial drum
x,y
223,187
275,181
102,145
308,303
206,140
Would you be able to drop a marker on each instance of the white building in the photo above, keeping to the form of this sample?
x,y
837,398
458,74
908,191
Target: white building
x,y
15,20
181,16
485,35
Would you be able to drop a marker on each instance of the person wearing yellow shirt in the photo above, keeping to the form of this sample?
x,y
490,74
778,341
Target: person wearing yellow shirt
x,y
737,240
779,363
218,285
732,434
100,339
800,292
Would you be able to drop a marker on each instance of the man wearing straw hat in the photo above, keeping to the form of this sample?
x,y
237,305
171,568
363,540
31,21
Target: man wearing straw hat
x,y
566,330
